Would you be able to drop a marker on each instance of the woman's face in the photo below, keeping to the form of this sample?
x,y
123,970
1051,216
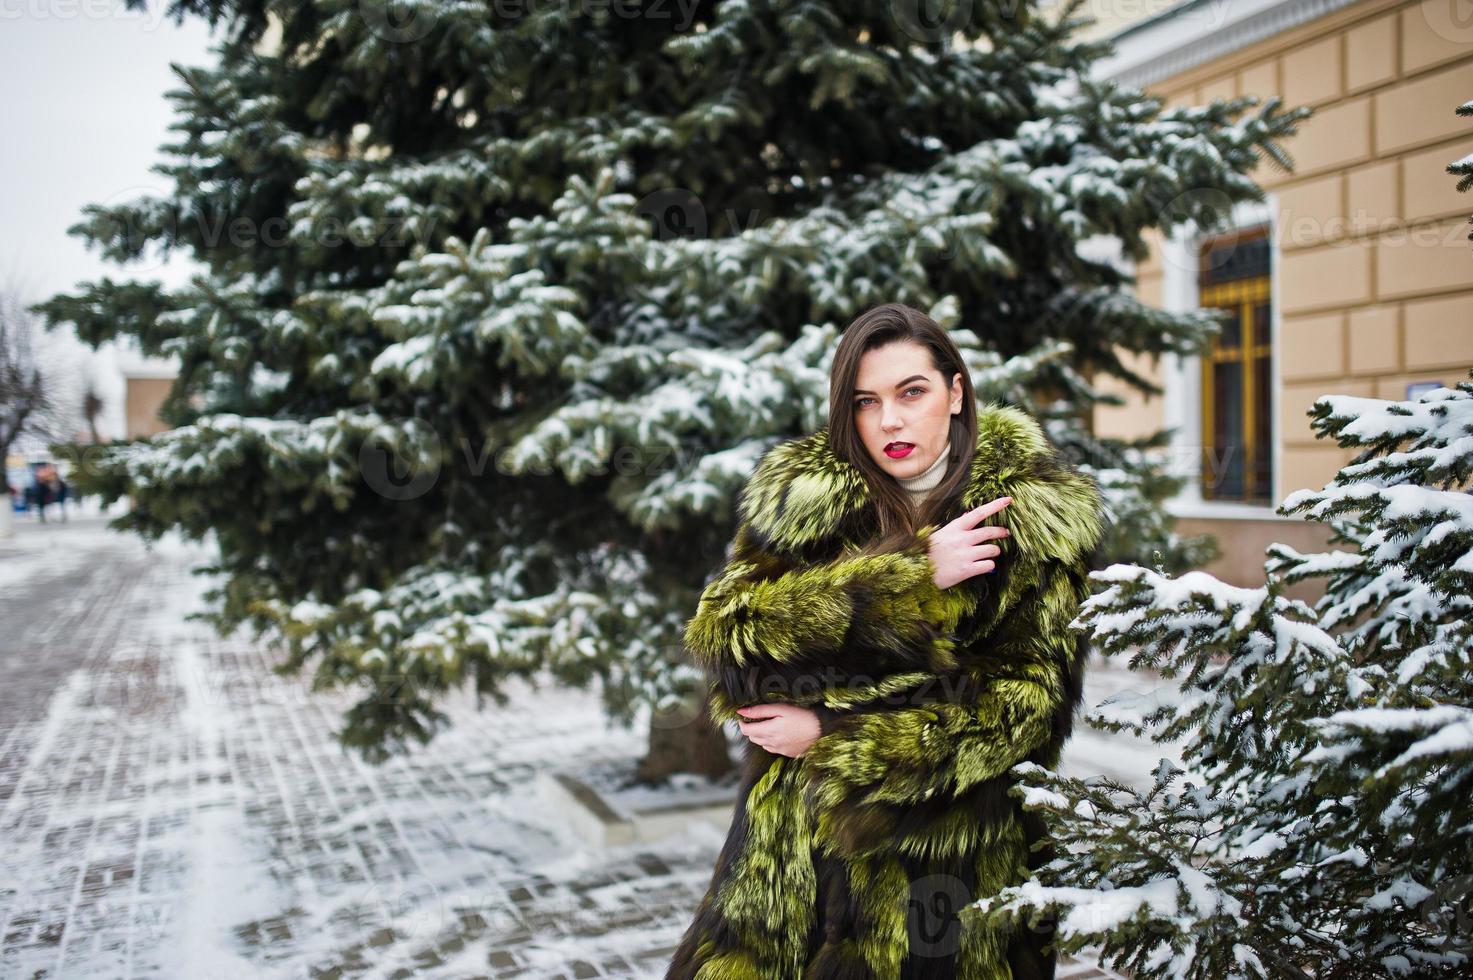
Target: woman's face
x,y
902,408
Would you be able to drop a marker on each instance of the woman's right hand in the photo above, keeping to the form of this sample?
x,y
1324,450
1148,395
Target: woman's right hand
x,y
960,549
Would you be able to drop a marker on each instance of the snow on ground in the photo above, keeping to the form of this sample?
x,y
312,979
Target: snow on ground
x,y
171,807
1092,752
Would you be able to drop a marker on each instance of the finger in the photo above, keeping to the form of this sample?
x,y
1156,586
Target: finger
x,y
985,565
983,511
988,532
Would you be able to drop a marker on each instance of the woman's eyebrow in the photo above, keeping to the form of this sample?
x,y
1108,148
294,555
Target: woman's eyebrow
x,y
902,384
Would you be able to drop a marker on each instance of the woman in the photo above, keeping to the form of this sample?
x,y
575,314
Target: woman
x,y
890,649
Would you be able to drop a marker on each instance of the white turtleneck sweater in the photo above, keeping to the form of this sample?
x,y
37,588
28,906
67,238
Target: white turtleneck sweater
x,y
920,485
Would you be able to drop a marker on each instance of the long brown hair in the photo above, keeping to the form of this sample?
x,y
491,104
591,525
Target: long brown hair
x,y
873,328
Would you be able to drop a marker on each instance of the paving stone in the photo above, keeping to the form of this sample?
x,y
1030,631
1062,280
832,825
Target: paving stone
x,y
171,807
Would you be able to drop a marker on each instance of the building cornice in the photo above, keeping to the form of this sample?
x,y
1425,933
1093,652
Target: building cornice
x,y
1195,32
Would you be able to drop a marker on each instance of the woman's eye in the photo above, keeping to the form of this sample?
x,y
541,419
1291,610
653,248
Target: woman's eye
x,y
861,402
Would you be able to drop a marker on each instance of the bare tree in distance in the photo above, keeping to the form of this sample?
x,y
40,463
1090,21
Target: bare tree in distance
x,y
51,396
26,404
92,405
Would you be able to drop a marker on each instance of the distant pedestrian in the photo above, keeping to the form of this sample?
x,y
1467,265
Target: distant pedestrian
x,y
58,489
49,488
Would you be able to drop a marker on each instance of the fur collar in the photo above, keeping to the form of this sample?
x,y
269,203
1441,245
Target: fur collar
x,y
803,499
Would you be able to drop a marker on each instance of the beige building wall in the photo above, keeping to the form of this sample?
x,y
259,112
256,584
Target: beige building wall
x,y
1374,270
143,398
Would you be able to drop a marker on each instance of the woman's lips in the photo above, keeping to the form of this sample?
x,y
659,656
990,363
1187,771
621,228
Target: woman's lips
x,y
899,450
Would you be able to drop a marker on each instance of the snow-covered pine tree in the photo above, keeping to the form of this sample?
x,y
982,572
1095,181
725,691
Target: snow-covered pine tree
x,y
1323,825
578,266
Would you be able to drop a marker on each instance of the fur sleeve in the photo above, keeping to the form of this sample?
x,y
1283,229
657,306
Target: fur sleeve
x,y
769,629
1013,698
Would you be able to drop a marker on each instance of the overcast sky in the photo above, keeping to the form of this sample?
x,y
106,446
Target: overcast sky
x,y
84,114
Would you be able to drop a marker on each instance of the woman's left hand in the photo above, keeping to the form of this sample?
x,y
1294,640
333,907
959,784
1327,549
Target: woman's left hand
x,y
782,729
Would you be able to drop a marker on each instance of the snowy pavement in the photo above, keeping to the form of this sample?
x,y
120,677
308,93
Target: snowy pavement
x,y
171,807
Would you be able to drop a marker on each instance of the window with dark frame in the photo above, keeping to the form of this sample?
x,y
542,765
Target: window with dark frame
x,y
1237,373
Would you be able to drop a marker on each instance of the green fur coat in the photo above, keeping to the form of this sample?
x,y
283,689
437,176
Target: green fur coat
x,y
856,859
